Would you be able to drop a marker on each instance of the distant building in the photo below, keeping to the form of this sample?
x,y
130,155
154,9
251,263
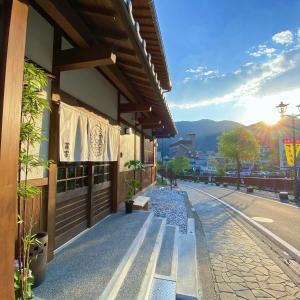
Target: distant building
x,y
184,147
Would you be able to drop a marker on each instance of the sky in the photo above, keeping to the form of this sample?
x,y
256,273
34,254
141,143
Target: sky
x,y
231,59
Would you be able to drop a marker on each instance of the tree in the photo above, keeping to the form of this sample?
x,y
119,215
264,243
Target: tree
x,y
218,164
239,145
178,165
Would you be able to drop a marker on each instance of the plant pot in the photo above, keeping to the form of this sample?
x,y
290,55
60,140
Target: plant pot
x,y
129,206
38,254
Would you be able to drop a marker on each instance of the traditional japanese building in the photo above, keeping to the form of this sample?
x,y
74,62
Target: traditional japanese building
x,y
107,74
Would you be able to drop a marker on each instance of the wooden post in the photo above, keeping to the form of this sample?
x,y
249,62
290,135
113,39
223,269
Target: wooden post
x,y
12,41
114,180
90,193
53,148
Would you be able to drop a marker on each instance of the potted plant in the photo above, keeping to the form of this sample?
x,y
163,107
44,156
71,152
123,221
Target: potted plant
x,y
133,184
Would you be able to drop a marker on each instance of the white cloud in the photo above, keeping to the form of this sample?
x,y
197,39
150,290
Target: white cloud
x,y
262,50
254,77
199,69
202,73
283,37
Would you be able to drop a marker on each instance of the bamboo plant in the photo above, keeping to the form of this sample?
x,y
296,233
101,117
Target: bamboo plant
x,y
31,135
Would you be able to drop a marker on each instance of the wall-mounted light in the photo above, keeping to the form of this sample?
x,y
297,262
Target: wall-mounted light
x,y
128,130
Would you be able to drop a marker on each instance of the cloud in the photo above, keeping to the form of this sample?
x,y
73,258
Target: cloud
x,y
250,81
262,50
202,73
283,37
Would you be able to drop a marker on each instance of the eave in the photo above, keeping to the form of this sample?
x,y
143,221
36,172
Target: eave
x,y
88,24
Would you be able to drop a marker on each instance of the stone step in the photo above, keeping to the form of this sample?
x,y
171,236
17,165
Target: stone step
x,y
187,282
138,281
164,283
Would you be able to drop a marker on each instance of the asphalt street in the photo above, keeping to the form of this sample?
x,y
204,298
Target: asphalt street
x,y
281,219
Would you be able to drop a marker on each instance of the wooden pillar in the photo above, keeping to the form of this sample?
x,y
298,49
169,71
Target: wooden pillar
x,y
143,157
12,41
53,147
90,193
114,180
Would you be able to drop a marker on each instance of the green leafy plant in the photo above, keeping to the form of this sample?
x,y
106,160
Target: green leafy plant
x,y
238,145
133,184
177,166
33,107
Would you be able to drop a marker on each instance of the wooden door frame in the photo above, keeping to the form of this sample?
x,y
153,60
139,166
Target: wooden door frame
x,y
11,84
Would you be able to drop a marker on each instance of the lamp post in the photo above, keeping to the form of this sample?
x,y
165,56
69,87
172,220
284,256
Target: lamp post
x,y
282,110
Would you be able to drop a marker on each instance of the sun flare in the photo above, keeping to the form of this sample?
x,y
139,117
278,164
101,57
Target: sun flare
x,y
271,119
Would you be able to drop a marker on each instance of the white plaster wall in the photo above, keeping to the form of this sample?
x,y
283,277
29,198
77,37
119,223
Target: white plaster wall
x,y
39,40
126,148
138,148
91,87
38,48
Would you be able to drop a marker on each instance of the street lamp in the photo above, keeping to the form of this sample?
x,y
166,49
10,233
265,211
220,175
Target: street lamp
x,y
282,110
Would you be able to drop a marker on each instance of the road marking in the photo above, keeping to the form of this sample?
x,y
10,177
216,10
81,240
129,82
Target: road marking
x,y
294,253
262,220
256,196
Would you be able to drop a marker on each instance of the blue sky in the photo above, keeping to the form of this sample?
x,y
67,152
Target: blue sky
x,y
231,59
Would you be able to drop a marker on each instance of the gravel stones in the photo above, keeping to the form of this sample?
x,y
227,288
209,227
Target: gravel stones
x,y
169,204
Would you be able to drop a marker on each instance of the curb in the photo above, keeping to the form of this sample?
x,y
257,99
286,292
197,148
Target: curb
x,y
292,251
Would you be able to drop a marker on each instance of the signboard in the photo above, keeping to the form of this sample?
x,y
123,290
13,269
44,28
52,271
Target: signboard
x,y
289,150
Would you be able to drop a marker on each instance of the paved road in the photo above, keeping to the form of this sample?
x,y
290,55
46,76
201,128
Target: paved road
x,y
286,218
241,269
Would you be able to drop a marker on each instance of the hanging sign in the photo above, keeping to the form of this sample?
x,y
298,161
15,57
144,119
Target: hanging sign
x,y
85,137
297,147
289,151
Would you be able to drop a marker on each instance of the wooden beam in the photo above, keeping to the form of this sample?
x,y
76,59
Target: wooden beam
x,y
147,121
129,63
94,10
152,126
12,38
136,107
78,58
116,35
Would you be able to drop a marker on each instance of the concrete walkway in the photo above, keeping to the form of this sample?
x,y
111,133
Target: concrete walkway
x,y
83,268
241,269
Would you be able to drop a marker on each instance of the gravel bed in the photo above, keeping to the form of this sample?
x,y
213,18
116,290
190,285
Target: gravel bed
x,y
169,204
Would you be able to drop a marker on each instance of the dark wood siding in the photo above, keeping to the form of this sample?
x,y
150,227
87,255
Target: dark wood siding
x,y
84,197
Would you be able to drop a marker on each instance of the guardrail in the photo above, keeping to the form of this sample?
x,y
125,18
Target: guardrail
x,y
268,184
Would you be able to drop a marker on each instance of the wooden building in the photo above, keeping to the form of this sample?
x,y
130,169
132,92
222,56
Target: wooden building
x,y
107,75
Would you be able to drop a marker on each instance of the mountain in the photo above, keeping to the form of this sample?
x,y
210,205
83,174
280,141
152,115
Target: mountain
x,y
207,131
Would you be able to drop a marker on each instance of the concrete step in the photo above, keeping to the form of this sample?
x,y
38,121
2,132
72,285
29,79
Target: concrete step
x,y
187,282
138,281
164,283
168,257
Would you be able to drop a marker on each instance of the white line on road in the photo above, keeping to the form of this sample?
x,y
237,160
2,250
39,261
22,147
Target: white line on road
x,y
295,253
260,197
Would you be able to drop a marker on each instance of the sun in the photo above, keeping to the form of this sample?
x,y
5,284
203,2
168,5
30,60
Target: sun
x,y
271,119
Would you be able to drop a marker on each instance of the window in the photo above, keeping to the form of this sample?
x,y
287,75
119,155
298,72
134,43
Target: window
x,y
148,152
71,176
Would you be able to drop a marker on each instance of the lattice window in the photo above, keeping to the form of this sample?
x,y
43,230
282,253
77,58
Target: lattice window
x,y
71,176
148,152
101,173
